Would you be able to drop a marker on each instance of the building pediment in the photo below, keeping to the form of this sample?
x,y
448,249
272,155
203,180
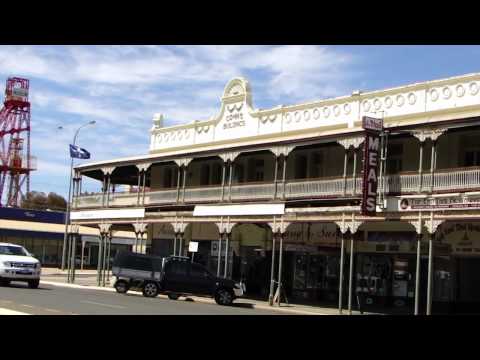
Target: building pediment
x,y
238,123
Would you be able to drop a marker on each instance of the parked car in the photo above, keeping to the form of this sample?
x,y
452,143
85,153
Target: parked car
x,y
17,264
174,276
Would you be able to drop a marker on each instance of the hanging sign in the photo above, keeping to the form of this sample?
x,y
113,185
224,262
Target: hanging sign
x,y
372,124
193,246
371,150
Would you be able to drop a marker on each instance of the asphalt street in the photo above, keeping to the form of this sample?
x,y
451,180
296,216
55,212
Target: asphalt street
x,y
57,300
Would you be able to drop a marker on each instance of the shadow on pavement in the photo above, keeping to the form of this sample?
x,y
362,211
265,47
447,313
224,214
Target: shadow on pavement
x,y
243,305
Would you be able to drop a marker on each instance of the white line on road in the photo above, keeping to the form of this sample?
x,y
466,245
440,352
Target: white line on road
x,y
102,304
52,310
28,306
11,312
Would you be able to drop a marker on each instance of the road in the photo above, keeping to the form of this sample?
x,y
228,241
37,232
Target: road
x,y
57,300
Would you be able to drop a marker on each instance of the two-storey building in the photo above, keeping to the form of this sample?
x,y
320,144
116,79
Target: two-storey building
x,y
276,194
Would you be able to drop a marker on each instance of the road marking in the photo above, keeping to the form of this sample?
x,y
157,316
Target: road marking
x,y
11,312
102,304
28,306
205,301
51,310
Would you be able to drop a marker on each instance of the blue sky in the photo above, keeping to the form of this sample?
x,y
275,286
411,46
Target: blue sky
x,y
121,87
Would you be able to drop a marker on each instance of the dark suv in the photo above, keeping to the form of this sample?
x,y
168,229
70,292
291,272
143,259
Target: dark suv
x,y
173,276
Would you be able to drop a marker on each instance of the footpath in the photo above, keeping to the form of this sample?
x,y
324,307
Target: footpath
x,y
86,279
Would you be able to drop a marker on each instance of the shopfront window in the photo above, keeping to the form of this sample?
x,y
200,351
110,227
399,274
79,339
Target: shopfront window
x,y
374,273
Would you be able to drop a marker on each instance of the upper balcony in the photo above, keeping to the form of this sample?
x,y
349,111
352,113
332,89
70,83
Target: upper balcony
x,y
451,180
323,171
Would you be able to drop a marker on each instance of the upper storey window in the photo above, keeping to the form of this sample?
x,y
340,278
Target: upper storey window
x,y
394,158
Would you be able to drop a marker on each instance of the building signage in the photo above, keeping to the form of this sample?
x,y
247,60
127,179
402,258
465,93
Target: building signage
x,y
107,214
20,92
371,151
443,203
193,246
233,121
214,248
373,124
236,210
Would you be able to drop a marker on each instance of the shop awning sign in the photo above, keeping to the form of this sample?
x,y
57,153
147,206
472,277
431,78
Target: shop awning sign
x,y
238,210
442,203
371,151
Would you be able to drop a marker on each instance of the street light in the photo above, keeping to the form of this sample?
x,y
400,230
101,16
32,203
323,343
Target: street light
x,y
67,213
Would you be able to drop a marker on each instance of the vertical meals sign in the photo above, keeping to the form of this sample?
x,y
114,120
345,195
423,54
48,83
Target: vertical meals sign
x,y
371,151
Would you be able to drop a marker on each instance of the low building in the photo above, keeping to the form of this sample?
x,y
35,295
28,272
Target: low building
x,y
42,234
291,181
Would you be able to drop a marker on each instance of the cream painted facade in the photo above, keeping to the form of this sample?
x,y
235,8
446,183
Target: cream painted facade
x,y
309,157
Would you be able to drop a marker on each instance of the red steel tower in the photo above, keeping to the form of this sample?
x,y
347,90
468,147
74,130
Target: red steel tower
x,y
15,160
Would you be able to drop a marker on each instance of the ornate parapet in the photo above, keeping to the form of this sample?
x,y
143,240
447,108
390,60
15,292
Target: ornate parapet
x,y
237,119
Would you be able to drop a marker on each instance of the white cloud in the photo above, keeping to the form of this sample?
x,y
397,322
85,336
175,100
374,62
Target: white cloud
x,y
121,87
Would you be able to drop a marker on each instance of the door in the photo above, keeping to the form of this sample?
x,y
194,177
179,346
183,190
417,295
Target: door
x,y
201,281
176,276
468,291
300,276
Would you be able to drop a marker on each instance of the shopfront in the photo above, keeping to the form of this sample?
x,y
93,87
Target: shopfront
x,y
458,276
311,258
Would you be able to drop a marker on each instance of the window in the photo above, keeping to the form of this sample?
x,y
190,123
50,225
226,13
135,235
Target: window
x,y
217,170
12,250
300,167
255,169
198,271
138,263
259,170
472,157
167,178
239,173
316,165
394,158
177,268
205,174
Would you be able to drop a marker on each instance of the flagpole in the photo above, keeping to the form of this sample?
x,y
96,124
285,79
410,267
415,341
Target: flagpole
x,y
67,212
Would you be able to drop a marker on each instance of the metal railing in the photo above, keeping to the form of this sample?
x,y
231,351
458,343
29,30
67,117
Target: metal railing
x,y
257,191
407,182
207,193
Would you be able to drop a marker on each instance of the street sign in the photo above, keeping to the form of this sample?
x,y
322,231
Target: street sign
x,y
193,246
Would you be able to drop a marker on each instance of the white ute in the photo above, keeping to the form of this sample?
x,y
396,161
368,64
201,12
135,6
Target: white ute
x,y
17,264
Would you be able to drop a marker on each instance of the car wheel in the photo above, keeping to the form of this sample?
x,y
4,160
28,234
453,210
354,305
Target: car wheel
x,y
150,289
223,297
4,282
33,284
173,296
121,286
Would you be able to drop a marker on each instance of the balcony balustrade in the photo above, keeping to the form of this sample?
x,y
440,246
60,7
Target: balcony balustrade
x,y
458,179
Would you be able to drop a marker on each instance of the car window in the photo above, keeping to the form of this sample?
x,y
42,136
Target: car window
x,y
12,250
198,271
138,263
177,268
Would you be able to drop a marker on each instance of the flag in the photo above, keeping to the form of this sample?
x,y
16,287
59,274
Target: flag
x,y
78,152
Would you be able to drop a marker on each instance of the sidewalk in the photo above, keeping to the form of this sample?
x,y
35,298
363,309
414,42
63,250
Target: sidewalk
x,y
87,279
